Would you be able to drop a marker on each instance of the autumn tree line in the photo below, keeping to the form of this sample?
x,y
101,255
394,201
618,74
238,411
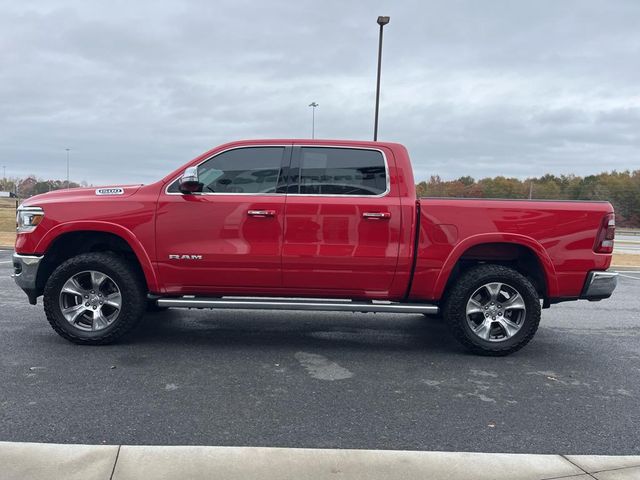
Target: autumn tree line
x,y
30,186
622,189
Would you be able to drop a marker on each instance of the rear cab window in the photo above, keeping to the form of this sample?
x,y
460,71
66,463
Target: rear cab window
x,y
339,171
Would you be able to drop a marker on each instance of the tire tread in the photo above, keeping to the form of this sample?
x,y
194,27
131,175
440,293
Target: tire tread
x,y
130,314
457,298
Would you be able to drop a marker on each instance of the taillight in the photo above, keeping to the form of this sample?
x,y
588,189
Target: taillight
x,y
606,234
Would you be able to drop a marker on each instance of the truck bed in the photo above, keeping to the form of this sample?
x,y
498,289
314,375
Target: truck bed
x,y
560,233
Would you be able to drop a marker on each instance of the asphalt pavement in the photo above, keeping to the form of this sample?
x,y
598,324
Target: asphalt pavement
x,y
326,380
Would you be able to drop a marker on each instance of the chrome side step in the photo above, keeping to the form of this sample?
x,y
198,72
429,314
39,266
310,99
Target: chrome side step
x,y
297,304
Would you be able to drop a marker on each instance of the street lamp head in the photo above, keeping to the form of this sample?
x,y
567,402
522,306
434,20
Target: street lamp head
x,y
383,20
314,104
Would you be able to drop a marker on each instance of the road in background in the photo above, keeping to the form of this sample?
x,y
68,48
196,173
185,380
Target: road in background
x,y
334,380
627,244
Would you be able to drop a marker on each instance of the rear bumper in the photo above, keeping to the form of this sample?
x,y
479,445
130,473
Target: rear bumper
x,y
599,285
25,272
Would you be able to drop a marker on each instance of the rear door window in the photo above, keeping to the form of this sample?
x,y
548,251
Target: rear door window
x,y
340,171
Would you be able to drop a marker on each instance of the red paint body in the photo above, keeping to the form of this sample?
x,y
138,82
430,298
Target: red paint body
x,y
323,246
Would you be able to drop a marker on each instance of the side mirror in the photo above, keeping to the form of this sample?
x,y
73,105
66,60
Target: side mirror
x,y
189,181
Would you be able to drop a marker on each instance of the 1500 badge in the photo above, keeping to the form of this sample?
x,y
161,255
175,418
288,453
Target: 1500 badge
x,y
185,257
110,191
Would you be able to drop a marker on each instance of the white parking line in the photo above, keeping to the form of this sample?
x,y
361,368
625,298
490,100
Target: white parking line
x,y
7,262
629,276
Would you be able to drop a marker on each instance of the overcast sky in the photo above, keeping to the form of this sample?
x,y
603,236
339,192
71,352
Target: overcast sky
x,y
481,88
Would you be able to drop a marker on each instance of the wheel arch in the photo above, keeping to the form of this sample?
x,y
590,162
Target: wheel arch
x,y
520,252
68,240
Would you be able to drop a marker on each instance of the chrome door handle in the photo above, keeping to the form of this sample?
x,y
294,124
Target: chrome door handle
x,y
261,213
376,215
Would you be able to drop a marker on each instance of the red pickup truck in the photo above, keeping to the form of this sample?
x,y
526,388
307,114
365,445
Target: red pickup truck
x,y
308,225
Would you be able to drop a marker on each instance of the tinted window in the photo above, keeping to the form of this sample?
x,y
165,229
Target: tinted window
x,y
243,170
341,171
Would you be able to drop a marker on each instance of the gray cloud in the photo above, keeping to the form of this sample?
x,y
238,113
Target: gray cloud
x,y
472,88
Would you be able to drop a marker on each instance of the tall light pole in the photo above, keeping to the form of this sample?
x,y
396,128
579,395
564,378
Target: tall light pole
x,y
382,21
68,150
4,172
313,118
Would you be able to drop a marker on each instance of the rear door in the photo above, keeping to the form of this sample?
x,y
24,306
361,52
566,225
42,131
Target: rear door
x,y
342,222
227,238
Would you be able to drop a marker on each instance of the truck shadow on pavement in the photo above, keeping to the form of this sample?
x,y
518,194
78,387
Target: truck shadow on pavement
x,y
295,330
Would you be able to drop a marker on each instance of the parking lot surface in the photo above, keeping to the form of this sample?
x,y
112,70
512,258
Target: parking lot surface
x,y
330,380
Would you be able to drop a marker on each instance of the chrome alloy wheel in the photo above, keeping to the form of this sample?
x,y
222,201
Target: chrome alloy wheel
x,y
496,312
90,300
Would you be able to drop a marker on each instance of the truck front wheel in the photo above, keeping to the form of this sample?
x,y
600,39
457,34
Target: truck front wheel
x,y
492,310
94,298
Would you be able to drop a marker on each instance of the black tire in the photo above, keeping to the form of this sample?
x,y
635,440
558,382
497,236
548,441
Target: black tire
x,y
121,273
455,310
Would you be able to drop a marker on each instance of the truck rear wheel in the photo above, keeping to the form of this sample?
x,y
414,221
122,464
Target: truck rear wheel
x,y
492,310
94,298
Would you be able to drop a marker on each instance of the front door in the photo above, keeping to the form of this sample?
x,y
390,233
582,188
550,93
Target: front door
x,y
228,237
342,222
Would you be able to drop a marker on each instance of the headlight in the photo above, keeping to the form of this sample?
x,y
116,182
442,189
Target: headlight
x,y
28,218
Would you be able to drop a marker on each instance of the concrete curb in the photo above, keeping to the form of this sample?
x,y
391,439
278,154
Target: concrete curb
x,y
42,461
37,461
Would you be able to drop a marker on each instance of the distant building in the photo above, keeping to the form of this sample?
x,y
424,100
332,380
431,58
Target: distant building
x,y
26,186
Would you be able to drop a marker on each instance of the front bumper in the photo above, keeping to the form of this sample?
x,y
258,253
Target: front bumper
x,y
25,273
599,285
